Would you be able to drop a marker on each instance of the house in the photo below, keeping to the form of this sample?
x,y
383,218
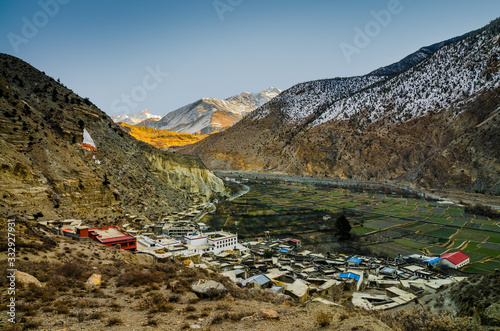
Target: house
x,y
212,242
432,261
298,289
260,281
329,288
109,236
295,242
354,262
455,260
350,275
389,272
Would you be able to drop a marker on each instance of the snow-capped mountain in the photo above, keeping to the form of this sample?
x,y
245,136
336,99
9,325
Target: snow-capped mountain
x,y
431,119
209,114
135,118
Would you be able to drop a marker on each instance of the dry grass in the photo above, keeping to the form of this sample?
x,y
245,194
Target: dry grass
x,y
323,318
114,321
424,319
155,303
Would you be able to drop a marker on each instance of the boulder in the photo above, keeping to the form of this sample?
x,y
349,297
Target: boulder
x,y
269,313
26,279
95,279
208,288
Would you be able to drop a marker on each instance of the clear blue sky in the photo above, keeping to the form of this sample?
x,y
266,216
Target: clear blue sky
x,y
106,49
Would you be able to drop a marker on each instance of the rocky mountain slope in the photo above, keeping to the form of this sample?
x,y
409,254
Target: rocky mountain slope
x,y
44,172
208,115
136,118
412,59
435,124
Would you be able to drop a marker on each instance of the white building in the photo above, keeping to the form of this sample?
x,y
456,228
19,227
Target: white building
x,y
211,242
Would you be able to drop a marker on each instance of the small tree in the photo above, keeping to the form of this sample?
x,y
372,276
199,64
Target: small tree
x,y
268,253
343,228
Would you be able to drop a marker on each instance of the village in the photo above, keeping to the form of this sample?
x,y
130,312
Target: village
x,y
278,264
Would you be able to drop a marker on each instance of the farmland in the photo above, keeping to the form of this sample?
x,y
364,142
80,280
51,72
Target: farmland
x,y
388,222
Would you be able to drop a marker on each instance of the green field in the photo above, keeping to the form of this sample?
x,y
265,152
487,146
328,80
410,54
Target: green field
x,y
392,224
441,233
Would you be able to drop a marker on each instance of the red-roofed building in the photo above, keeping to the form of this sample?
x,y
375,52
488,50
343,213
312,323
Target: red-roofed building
x,y
109,236
455,260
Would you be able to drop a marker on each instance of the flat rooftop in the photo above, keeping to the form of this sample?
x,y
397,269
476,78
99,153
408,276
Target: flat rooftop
x,y
110,233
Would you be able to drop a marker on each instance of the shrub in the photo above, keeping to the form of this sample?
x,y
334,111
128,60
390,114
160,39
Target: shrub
x,y
156,302
97,315
62,307
138,278
114,321
81,316
218,318
32,324
323,318
115,306
480,209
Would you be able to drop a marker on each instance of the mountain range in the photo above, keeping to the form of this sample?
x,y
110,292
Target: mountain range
x,y
48,171
209,115
430,120
135,118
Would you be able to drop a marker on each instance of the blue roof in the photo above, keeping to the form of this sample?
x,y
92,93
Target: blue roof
x,y
282,250
432,260
349,275
354,260
257,279
238,271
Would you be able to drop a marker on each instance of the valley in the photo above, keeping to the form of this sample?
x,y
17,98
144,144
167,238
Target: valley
x,y
355,199
388,221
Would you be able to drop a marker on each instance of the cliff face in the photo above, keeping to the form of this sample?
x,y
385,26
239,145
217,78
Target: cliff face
x,y
45,171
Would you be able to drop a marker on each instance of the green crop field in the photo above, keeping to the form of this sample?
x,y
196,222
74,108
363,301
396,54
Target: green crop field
x,y
363,230
470,234
441,233
393,219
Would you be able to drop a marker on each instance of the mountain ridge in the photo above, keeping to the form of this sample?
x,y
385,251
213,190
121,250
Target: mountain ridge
x,y
412,126
207,115
46,173
135,118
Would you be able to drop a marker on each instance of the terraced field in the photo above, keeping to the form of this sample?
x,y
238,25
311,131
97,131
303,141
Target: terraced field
x,y
388,223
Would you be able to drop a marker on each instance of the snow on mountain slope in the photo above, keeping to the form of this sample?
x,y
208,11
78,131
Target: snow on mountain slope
x,y
302,100
135,118
209,114
448,78
434,124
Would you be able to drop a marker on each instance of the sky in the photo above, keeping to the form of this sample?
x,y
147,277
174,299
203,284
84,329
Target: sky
x,y
126,55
